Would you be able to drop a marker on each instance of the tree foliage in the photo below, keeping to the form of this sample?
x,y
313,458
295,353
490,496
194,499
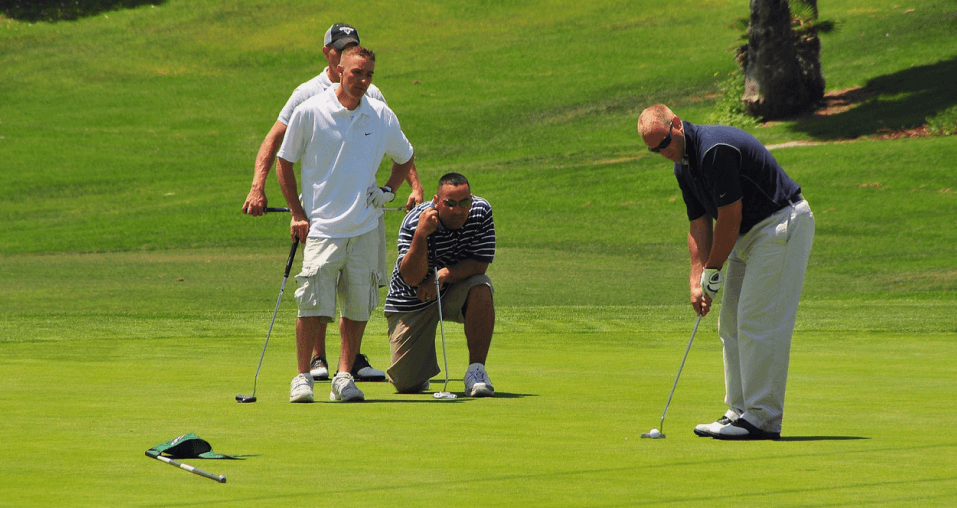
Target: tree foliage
x,y
64,10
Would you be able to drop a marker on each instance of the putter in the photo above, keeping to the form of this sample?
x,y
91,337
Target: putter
x,y
187,467
660,434
292,255
444,394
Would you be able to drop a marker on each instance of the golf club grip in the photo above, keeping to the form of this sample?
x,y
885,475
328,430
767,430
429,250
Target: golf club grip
x,y
292,255
275,210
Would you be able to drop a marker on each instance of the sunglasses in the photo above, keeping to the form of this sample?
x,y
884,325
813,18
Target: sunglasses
x,y
464,203
664,142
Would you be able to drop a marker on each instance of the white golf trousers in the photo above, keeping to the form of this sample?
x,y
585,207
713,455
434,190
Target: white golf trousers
x,y
763,282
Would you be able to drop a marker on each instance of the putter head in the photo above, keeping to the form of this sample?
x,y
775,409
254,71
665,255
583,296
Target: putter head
x,y
244,399
653,434
444,395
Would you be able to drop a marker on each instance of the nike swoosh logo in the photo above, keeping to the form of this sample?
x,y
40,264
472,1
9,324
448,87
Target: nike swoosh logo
x,y
368,134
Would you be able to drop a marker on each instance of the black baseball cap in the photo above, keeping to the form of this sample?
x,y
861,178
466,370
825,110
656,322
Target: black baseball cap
x,y
341,34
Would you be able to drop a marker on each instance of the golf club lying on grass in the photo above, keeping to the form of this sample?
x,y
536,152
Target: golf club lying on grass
x,y
187,467
292,255
660,434
444,394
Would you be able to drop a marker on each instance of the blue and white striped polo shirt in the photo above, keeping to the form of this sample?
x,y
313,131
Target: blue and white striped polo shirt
x,y
474,240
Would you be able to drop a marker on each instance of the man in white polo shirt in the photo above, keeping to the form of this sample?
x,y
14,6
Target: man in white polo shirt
x,y
337,39
339,137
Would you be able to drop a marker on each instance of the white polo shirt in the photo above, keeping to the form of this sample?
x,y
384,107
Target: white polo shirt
x,y
340,152
313,87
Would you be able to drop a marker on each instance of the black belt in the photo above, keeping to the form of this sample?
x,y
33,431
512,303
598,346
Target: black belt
x,y
798,199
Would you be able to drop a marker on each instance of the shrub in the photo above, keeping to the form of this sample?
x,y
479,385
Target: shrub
x,y
64,10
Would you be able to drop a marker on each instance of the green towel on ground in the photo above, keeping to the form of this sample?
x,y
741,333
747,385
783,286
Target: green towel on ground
x,y
187,446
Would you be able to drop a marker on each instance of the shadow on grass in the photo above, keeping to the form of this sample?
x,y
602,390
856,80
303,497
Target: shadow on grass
x,y
895,102
460,397
34,11
821,438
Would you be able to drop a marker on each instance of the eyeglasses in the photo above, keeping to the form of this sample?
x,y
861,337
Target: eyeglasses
x,y
464,203
664,142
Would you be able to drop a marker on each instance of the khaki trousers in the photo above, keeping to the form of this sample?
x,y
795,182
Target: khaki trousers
x,y
763,282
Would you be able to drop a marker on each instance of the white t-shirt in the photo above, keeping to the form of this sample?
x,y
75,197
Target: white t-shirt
x,y
313,87
340,152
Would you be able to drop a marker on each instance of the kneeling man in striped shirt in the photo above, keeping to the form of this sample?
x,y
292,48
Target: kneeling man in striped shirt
x,y
451,237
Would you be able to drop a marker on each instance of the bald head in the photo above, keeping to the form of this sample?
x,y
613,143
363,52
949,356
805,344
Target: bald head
x,y
654,118
662,131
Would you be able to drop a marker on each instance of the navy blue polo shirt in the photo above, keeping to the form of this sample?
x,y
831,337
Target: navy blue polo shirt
x,y
725,164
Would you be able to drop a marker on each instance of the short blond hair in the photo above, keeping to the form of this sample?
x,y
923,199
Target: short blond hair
x,y
359,52
658,116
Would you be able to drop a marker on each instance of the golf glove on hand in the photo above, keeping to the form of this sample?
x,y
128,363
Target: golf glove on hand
x,y
711,282
379,196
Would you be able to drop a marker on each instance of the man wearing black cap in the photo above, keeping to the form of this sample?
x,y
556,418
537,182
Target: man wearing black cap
x,y
337,38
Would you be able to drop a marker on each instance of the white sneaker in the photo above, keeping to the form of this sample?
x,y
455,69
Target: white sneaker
x,y
300,390
477,383
344,389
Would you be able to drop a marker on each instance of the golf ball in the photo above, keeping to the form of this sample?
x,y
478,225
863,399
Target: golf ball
x,y
654,433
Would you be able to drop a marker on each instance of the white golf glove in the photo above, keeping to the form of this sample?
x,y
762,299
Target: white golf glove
x,y
379,196
711,282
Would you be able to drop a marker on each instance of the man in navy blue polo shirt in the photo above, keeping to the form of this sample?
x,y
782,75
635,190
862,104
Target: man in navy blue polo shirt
x,y
455,234
747,214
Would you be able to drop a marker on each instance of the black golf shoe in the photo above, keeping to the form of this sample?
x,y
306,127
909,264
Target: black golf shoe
x,y
362,371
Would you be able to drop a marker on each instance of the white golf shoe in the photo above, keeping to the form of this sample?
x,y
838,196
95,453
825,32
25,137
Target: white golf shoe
x,y
710,429
319,368
344,389
477,383
300,390
743,430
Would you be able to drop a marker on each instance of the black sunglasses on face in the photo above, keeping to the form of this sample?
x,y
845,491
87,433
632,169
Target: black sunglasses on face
x,y
664,142
464,203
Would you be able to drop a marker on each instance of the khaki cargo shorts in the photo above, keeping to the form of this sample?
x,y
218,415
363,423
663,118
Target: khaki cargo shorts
x,y
412,335
343,267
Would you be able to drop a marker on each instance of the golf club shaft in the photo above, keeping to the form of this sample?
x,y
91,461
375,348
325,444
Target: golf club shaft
x,y
661,425
191,469
282,288
271,209
445,356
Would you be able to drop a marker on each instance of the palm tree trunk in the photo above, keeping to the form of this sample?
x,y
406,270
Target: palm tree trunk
x,y
773,81
808,47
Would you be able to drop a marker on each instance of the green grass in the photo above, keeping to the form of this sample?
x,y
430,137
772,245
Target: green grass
x,y
134,297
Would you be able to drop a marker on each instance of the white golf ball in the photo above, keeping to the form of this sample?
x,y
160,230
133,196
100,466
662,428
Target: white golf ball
x,y
654,433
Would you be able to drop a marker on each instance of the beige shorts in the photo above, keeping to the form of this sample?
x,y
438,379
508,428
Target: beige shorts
x,y
343,267
412,335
